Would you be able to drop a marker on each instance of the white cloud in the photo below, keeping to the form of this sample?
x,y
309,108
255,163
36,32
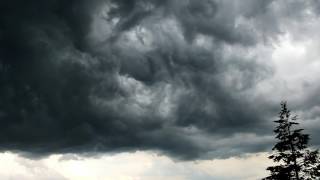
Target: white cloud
x,y
130,166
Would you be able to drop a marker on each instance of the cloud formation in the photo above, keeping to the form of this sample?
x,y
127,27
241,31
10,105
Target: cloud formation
x,y
138,165
178,77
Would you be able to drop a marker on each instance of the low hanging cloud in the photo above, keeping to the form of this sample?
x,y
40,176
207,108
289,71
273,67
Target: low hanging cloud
x,y
178,77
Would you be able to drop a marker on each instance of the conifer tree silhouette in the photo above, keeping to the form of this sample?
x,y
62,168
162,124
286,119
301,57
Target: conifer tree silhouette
x,y
293,158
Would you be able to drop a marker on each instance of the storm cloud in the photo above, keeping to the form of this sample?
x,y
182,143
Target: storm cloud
x,y
178,77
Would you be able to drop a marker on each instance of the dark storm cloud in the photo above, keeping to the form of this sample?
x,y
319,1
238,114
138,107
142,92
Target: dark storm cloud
x,y
210,18
97,76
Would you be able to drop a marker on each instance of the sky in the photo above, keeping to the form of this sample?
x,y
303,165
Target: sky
x,y
150,89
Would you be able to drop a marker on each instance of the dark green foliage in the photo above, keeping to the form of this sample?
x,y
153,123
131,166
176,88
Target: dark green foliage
x,y
294,160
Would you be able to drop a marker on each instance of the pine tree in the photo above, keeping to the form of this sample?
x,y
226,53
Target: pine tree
x,y
294,160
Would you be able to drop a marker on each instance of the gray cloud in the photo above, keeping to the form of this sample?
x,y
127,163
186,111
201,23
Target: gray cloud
x,y
96,76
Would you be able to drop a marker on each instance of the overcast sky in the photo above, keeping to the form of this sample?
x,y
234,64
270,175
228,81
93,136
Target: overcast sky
x,y
152,89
